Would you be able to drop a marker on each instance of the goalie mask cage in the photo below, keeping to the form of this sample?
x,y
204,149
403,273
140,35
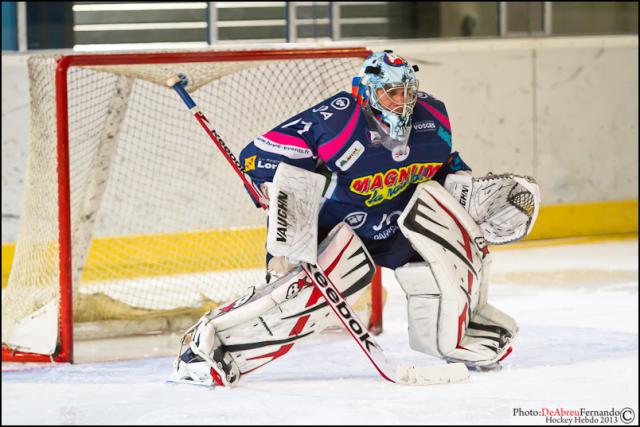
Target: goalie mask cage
x,y
132,222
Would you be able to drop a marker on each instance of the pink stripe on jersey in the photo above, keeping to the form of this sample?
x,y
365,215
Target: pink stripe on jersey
x,y
284,139
328,149
437,114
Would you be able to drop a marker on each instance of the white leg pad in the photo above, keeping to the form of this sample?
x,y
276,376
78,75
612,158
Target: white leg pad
x,y
447,294
263,325
433,312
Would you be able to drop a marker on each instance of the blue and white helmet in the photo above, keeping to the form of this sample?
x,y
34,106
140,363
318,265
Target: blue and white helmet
x,y
386,87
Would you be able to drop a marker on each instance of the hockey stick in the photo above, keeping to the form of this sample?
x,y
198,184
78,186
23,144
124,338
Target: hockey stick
x,y
400,374
179,83
388,370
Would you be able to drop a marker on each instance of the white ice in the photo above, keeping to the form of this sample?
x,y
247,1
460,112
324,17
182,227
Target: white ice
x,y
577,307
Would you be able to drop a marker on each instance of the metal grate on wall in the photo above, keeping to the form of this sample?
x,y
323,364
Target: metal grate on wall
x,y
247,21
116,25
297,21
110,25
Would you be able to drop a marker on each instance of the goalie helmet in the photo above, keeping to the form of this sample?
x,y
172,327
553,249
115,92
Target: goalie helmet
x,y
386,88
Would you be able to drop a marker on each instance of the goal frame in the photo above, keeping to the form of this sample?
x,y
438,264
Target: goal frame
x,y
64,351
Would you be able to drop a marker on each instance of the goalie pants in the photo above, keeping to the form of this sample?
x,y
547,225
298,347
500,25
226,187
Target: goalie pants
x,y
392,252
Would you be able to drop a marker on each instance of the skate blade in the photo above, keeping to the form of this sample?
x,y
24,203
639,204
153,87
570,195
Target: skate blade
x,y
179,379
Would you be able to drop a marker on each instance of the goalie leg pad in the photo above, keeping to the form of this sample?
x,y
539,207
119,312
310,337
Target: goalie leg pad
x,y
265,324
437,315
446,295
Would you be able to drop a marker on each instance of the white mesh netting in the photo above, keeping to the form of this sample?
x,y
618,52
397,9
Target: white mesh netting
x,y
160,224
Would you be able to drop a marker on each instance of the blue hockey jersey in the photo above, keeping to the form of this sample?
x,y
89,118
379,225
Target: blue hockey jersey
x,y
366,186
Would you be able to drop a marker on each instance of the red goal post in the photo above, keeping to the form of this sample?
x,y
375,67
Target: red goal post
x,y
75,230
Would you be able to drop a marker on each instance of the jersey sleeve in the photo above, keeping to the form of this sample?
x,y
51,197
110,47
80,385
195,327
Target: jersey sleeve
x,y
294,141
454,162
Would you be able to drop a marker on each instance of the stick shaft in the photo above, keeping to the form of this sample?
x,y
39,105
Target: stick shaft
x,y
224,149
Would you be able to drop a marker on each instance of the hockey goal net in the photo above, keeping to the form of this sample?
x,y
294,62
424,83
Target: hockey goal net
x,y
132,222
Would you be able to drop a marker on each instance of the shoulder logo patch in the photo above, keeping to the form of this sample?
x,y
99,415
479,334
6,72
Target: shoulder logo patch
x,y
340,103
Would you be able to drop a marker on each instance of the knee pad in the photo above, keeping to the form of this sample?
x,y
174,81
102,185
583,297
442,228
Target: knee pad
x,y
265,324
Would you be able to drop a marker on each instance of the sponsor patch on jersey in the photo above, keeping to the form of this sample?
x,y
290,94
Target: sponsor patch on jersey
x,y
289,151
340,103
250,163
386,233
267,164
387,220
386,185
356,219
350,156
424,126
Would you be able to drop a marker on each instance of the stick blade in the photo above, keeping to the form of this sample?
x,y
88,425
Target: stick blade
x,y
428,375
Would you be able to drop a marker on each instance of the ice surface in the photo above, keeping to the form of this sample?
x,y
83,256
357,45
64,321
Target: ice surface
x,y
577,307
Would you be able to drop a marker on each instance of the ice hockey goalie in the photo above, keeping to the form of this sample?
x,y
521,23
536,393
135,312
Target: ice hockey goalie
x,y
370,177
